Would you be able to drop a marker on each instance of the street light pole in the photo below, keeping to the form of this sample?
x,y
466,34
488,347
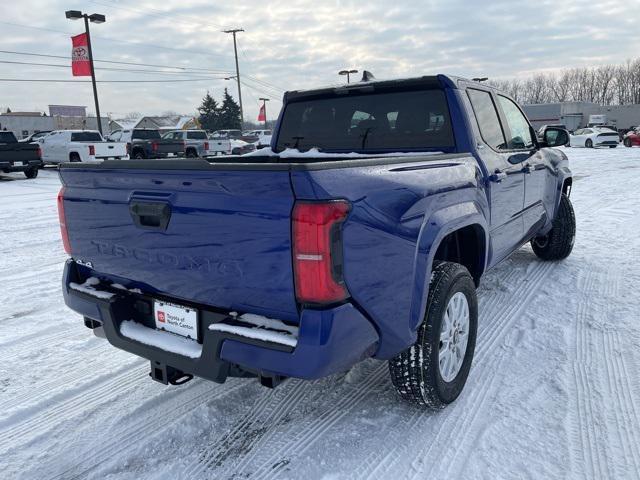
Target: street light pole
x,y
93,73
347,73
264,108
235,50
95,18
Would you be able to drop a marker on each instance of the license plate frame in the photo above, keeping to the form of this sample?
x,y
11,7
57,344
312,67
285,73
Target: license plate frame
x,y
18,164
178,319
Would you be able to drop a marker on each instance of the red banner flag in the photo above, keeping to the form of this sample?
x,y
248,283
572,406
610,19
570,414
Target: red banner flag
x,y
262,116
80,66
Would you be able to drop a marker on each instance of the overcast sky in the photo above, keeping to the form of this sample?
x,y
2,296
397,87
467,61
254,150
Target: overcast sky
x,y
290,44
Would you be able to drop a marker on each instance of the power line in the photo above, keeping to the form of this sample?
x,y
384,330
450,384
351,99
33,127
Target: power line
x,y
132,70
115,62
54,80
109,39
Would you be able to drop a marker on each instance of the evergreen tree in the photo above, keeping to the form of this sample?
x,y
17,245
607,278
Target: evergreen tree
x,y
209,113
229,112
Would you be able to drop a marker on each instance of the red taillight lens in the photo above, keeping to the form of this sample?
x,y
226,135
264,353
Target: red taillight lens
x,y
92,150
317,251
206,145
39,153
63,222
154,146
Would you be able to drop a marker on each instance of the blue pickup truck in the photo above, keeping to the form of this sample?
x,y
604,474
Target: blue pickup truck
x,y
362,233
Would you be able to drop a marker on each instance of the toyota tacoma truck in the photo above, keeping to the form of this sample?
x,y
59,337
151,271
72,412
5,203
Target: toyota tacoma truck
x,y
147,143
19,157
362,233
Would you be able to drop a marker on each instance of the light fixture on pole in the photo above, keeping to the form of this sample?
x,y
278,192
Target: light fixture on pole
x,y
480,79
348,73
93,18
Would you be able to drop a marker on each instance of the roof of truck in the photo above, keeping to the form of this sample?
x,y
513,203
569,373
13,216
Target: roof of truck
x,y
439,80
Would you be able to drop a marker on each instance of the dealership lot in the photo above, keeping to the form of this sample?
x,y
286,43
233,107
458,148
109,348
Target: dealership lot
x,y
554,390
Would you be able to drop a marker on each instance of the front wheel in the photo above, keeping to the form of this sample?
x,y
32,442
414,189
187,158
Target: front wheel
x,y
588,143
558,243
627,142
31,173
433,371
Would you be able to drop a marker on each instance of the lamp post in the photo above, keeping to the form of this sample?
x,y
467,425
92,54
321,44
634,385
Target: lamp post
x,y
94,18
264,108
348,73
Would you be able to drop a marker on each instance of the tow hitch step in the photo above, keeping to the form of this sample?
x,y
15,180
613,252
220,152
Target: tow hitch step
x,y
166,375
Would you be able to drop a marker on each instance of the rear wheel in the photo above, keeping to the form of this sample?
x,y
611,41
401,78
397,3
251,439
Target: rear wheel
x,y
191,153
558,243
74,157
433,371
138,155
31,173
627,142
588,143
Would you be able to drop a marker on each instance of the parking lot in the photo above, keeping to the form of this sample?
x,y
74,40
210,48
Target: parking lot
x,y
553,391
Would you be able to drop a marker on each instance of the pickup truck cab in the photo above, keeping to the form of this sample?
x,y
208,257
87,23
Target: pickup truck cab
x,y
19,157
197,143
363,233
62,146
146,143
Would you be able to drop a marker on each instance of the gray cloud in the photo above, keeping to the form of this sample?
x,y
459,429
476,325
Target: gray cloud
x,y
300,44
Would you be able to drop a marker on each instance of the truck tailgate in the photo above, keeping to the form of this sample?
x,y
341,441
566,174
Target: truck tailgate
x,y
169,146
110,149
216,237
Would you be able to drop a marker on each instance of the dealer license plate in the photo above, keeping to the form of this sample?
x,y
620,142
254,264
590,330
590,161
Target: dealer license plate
x,y
176,319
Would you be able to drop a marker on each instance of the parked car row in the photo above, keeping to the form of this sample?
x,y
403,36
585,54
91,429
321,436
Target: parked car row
x,y
19,157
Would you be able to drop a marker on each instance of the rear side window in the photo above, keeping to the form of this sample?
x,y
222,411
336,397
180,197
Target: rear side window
x,y
487,118
7,137
86,137
146,134
197,135
520,133
410,120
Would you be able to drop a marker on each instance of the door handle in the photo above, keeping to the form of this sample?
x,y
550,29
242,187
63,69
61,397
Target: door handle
x,y
498,176
527,169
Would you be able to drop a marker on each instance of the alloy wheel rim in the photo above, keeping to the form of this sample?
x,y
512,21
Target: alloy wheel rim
x,y
454,335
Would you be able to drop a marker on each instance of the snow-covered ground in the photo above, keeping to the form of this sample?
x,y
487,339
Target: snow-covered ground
x,y
554,391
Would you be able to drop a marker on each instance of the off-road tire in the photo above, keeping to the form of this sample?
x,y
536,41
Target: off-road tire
x,y
31,172
415,373
558,243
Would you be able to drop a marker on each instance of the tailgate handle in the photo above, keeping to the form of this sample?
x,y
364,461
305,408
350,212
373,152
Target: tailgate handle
x,y
151,216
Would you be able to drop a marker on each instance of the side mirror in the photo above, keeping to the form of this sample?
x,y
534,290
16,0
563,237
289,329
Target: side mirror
x,y
555,137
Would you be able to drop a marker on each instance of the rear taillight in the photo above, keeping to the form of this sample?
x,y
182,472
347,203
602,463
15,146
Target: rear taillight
x,y
92,150
317,251
154,146
39,153
184,145
206,145
128,149
63,222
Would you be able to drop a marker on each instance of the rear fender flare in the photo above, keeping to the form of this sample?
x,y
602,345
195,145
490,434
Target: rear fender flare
x,y
443,222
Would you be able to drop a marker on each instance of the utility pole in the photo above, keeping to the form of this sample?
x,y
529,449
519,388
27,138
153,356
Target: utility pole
x,y
235,50
95,18
264,108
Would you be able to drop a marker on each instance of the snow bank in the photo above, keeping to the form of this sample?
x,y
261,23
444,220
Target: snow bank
x,y
88,287
265,329
163,340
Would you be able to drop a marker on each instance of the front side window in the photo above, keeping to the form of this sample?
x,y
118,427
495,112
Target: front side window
x,y
487,118
367,122
520,137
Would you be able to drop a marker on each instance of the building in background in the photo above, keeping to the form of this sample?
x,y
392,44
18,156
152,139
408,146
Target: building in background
x,y
61,117
576,114
169,122
123,123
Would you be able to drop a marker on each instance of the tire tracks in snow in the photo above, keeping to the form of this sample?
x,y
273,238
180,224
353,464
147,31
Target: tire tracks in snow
x,y
142,427
450,426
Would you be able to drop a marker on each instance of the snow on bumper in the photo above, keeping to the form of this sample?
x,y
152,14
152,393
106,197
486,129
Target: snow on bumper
x,y
327,341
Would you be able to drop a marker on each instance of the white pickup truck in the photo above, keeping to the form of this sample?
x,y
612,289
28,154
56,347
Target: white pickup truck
x,y
79,146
